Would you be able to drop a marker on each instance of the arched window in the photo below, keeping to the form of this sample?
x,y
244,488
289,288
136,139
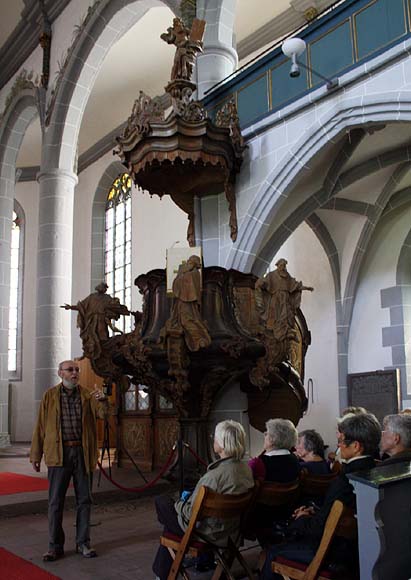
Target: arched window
x,y
118,244
15,304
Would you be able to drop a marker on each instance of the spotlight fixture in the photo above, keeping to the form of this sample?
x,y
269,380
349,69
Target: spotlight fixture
x,y
293,48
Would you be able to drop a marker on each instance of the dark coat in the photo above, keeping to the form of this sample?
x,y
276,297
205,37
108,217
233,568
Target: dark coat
x,y
397,458
278,468
310,528
281,468
316,467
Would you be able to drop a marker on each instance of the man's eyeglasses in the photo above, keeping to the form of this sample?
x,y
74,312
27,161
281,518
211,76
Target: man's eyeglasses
x,y
71,369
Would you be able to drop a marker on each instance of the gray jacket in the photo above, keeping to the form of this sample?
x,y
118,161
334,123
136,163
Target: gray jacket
x,y
223,476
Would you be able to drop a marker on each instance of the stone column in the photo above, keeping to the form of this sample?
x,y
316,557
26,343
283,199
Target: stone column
x,y
219,59
54,275
6,216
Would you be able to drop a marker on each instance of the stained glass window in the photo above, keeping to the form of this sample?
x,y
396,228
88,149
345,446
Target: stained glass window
x,y
14,303
118,244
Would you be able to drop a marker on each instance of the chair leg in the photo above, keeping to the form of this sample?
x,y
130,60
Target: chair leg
x,y
261,559
244,564
178,568
224,565
217,572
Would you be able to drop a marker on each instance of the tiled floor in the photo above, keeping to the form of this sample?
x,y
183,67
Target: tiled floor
x,y
125,530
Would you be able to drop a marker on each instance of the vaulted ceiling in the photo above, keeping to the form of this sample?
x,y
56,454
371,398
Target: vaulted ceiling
x,y
127,69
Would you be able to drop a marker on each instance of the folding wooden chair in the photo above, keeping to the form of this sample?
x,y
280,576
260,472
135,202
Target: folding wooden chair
x,y
209,504
340,522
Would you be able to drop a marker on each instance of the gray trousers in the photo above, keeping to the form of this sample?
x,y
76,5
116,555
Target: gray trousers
x,y
59,480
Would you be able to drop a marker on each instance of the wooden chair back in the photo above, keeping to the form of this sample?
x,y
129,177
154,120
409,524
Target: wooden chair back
x,y
340,521
208,504
278,494
316,485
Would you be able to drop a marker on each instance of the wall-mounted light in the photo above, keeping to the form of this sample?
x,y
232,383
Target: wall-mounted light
x,y
293,48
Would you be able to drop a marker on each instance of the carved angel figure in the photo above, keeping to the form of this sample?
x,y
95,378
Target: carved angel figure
x,y
95,315
186,50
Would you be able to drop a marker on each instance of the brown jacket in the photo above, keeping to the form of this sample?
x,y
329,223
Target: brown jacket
x,y
47,437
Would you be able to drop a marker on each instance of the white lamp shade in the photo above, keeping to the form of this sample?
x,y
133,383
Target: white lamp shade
x,y
293,47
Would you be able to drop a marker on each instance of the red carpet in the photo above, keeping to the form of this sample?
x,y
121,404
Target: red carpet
x,y
14,483
15,568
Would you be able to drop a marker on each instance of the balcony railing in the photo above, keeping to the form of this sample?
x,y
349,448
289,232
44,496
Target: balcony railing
x,y
350,34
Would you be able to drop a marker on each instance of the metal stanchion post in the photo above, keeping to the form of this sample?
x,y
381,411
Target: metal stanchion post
x,y
180,463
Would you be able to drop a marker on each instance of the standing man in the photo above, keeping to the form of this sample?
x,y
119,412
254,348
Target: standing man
x,y
66,433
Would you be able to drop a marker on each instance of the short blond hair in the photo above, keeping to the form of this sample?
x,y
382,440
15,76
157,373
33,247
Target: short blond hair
x,y
230,436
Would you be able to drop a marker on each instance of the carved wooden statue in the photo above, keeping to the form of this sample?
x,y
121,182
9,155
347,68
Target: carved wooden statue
x,y
278,297
187,48
185,329
95,315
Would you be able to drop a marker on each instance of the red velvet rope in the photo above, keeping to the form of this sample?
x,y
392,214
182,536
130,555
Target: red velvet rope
x,y
147,485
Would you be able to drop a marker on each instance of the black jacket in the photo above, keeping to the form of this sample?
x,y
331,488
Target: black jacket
x,y
310,528
397,458
281,468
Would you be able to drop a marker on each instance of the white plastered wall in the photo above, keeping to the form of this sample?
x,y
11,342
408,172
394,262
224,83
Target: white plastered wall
x,y
366,352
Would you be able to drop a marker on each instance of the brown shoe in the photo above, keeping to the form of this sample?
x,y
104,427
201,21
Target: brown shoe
x,y
53,555
85,551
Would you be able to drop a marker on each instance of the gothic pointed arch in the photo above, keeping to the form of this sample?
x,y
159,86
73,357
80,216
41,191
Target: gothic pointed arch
x,y
21,108
106,22
273,194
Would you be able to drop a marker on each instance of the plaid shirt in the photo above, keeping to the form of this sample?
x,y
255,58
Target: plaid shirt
x,y
71,414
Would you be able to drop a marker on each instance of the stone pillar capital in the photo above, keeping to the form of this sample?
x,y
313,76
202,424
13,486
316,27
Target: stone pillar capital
x,y
221,49
57,173
217,62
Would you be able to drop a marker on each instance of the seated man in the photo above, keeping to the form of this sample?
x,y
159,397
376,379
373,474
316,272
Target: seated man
x,y
396,438
358,437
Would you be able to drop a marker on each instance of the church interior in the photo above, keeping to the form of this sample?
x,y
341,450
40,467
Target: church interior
x,y
273,186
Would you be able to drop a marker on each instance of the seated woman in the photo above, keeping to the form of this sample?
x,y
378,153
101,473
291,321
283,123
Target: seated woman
x,y
229,474
277,462
310,451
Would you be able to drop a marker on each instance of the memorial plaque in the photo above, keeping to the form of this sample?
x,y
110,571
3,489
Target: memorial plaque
x,y
378,392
